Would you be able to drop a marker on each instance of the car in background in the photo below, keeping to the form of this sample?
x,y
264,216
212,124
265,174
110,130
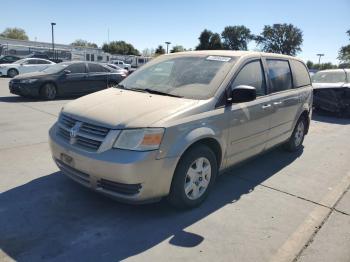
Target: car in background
x,y
168,129
332,91
121,64
8,59
26,65
65,79
118,69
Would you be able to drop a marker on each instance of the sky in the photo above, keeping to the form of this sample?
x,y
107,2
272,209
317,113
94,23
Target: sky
x,y
148,23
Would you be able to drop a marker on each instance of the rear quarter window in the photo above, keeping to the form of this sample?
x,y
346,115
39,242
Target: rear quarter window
x,y
300,74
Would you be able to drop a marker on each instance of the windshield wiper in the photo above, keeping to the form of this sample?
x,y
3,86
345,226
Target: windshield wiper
x,y
120,86
152,91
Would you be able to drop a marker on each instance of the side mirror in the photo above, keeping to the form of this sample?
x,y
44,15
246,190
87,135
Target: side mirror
x,y
66,72
242,93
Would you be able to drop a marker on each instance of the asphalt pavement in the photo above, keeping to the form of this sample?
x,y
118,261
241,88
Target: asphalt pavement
x,y
277,207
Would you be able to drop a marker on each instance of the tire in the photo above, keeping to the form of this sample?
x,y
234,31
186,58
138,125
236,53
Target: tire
x,y
12,72
296,140
48,91
198,183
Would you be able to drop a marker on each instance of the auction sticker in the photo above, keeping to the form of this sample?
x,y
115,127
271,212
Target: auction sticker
x,y
219,58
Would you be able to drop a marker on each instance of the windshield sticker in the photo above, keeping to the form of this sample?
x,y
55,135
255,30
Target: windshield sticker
x,y
219,58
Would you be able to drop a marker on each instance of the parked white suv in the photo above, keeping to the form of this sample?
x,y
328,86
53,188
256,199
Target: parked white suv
x,y
26,65
122,64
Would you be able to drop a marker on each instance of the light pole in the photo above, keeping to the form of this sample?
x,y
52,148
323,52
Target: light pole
x,y
53,40
319,58
167,47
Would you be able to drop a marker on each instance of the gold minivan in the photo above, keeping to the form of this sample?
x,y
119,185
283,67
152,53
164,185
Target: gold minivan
x,y
176,123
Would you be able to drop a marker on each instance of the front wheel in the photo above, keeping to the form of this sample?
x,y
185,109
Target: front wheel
x,y
48,91
12,73
295,142
193,177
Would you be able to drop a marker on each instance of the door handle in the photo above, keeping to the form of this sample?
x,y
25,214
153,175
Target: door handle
x,y
277,103
266,106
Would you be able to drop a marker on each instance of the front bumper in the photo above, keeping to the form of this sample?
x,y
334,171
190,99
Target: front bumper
x,y
18,88
128,176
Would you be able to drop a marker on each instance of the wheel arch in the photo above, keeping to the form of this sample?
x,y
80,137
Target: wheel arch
x,y
12,68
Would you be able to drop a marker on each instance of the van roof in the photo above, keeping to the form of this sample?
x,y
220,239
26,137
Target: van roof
x,y
233,53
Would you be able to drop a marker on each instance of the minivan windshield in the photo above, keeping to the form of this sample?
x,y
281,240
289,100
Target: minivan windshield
x,y
329,77
195,77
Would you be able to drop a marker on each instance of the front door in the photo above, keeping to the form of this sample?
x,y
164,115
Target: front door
x,y
249,122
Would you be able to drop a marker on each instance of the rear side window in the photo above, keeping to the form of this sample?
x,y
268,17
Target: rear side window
x,y
251,74
32,62
300,74
96,68
42,62
78,68
280,75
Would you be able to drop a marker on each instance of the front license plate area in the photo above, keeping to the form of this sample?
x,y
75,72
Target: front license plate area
x,y
68,160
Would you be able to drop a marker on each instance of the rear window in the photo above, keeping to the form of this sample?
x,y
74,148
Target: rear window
x,y
329,77
300,74
96,68
77,68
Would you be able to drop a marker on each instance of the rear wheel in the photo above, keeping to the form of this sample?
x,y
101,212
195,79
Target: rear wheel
x,y
12,72
193,177
48,91
295,142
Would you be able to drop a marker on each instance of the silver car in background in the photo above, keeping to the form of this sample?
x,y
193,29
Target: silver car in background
x,y
171,127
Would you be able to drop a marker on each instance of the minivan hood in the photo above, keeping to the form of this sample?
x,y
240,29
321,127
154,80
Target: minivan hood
x,y
118,108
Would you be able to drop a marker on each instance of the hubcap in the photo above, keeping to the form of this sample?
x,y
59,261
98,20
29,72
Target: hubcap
x,y
197,178
51,91
299,134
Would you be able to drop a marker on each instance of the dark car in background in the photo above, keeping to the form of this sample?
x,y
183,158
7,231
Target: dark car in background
x,y
7,59
332,91
65,79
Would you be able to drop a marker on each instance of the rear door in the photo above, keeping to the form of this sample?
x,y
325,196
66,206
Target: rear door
x,y
98,77
285,100
75,82
249,122
41,64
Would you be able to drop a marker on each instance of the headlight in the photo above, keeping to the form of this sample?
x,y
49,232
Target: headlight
x,y
140,139
28,81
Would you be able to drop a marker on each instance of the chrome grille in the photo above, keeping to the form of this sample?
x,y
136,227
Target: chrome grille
x,y
87,136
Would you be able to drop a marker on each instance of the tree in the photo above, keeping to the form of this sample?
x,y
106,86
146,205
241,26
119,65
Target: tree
x,y
344,52
14,33
209,41
120,48
160,50
280,38
83,43
215,42
148,52
204,39
236,37
177,48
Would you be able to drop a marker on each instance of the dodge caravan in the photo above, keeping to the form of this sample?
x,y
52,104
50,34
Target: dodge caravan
x,y
171,127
